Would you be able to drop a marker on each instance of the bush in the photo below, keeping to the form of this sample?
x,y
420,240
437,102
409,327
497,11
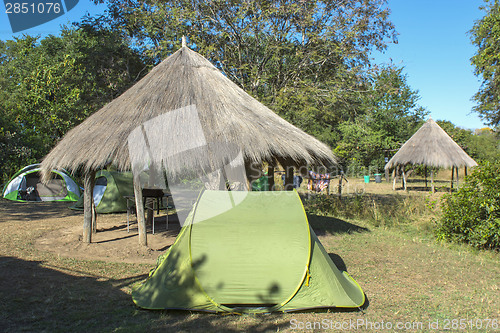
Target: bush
x,y
472,214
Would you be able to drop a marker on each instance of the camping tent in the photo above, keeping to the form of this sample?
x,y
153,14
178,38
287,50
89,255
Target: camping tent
x,y
247,252
109,191
26,185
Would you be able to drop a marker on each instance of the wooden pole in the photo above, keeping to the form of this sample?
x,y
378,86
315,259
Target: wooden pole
x,y
87,206
465,170
452,173
139,206
457,176
270,177
395,179
340,184
288,185
404,180
425,175
432,180
94,217
149,212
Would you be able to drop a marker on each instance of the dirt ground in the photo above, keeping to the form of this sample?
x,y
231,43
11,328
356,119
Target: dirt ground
x,y
112,242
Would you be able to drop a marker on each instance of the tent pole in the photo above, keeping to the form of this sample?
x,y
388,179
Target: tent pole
x,y
139,207
87,205
270,177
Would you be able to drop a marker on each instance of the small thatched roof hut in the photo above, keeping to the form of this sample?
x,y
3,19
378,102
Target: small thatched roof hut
x,y
225,112
433,147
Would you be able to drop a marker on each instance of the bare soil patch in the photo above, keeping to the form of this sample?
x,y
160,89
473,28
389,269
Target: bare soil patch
x,y
112,242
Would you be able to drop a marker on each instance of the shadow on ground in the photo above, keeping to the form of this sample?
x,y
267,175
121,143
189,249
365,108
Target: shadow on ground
x,y
29,211
36,296
323,225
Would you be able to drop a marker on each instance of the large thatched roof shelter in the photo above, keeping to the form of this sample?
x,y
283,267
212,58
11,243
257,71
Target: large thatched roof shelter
x,y
433,147
226,113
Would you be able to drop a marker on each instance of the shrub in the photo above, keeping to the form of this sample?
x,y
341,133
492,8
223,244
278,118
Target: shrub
x,y
472,214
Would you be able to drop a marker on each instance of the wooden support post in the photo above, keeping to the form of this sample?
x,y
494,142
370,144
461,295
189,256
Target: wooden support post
x,y
270,177
288,185
87,206
432,180
452,174
395,179
465,171
340,184
425,175
139,206
404,181
149,212
457,176
94,217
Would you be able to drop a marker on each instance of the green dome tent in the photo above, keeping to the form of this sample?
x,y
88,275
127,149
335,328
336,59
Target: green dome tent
x,y
109,190
26,185
247,252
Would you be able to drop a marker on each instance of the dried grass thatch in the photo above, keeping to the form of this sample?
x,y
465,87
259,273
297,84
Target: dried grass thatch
x,y
226,113
431,146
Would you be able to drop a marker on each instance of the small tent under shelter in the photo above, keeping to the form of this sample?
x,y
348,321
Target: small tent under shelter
x,y
110,188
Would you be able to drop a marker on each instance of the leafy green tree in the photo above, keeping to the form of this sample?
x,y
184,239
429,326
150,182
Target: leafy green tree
x,y
50,85
481,146
389,115
485,35
304,59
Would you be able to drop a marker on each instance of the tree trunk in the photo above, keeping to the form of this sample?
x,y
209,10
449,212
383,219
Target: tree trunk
x,y
88,196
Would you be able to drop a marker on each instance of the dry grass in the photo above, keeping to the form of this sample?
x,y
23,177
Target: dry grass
x,y
406,276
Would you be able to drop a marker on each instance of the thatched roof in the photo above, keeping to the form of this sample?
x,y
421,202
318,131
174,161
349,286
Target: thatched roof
x,y
226,114
431,146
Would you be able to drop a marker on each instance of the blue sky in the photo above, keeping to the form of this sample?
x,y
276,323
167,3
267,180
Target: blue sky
x,y
433,47
435,50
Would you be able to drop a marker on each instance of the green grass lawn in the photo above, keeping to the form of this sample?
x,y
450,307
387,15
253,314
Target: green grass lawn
x,y
408,278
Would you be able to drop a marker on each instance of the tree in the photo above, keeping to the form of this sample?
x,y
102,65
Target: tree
x,y
304,59
389,115
485,35
50,85
482,146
